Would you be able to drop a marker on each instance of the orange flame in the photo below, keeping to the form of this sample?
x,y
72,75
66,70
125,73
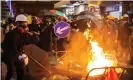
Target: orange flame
x,y
98,58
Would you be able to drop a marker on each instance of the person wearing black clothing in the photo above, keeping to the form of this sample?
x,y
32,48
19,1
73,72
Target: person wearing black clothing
x,y
12,47
46,34
10,25
124,33
35,29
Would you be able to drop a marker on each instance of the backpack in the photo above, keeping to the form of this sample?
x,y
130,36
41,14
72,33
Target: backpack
x,y
8,36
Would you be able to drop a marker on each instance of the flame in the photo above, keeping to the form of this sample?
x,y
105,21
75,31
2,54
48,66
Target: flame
x,y
98,58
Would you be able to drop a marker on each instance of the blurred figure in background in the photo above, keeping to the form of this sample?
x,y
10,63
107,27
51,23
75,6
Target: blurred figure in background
x,y
74,26
112,32
46,33
10,25
34,28
123,36
61,18
3,29
7,26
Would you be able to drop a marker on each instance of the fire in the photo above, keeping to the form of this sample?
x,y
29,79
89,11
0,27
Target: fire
x,y
98,58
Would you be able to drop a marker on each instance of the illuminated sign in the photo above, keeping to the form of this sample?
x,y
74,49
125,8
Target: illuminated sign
x,y
113,8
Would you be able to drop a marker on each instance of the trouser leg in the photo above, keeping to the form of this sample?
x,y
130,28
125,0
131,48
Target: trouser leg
x,y
10,70
20,70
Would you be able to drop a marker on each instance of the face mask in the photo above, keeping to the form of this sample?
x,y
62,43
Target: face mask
x,y
22,24
20,29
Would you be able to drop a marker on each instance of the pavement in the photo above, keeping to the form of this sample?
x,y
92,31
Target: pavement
x,y
35,70
4,71
27,76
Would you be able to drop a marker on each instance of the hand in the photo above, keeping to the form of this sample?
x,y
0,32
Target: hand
x,y
35,32
22,57
30,33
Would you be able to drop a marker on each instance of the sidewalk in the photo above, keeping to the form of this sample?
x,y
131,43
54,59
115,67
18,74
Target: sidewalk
x,y
4,69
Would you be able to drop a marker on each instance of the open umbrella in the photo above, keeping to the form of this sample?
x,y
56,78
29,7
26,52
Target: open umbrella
x,y
47,12
59,13
86,16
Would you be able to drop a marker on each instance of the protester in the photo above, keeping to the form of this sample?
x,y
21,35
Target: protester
x,y
111,32
46,33
13,46
9,25
73,23
35,29
123,35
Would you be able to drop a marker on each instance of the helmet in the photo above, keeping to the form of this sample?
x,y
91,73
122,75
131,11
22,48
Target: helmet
x,y
125,15
121,17
21,17
61,18
110,17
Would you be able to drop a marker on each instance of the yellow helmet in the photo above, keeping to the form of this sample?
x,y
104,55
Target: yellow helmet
x,y
110,17
121,17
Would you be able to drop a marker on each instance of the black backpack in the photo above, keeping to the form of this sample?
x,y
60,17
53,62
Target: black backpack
x,y
8,36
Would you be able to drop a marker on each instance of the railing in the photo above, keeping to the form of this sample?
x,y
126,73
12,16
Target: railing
x,y
123,68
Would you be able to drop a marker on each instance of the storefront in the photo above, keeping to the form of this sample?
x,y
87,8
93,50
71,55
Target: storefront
x,y
115,10
73,9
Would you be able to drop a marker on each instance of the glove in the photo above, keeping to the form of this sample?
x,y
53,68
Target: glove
x,y
22,57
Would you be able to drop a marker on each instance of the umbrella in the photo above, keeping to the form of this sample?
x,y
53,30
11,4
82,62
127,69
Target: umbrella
x,y
86,16
59,13
48,13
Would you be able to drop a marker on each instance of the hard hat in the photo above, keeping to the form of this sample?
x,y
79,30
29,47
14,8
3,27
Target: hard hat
x,y
21,17
60,17
121,17
125,15
110,17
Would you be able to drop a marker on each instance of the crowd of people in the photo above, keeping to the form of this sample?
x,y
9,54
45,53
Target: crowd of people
x,y
17,33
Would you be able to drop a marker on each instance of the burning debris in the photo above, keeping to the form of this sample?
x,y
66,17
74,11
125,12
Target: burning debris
x,y
98,58
86,50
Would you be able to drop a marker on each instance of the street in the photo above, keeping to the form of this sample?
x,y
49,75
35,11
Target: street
x,y
67,40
